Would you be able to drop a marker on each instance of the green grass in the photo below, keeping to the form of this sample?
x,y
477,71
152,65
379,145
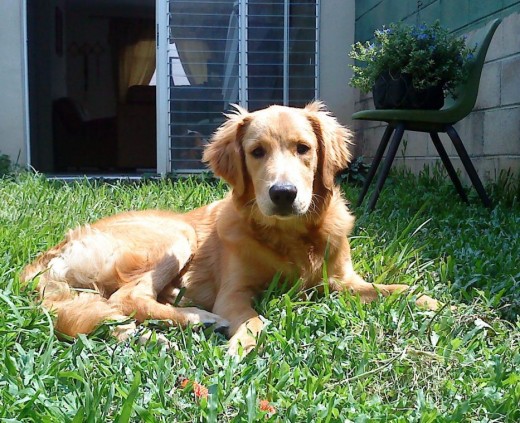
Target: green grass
x,y
320,358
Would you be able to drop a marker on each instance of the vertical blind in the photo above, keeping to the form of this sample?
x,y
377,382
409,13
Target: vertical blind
x,y
250,52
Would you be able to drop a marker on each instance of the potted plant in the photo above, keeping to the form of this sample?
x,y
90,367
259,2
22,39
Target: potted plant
x,y
409,66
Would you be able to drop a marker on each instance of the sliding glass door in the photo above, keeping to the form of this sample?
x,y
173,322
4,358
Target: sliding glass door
x,y
215,53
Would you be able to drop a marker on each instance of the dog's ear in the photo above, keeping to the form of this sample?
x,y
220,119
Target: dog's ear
x,y
334,142
224,153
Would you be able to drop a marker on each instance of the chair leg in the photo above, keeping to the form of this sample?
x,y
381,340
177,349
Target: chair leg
x,y
390,155
466,161
447,164
375,163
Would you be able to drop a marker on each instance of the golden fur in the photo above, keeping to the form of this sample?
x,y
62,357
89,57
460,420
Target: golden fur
x,y
284,214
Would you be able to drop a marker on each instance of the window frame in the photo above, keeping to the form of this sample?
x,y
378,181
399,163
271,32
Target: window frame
x,y
164,138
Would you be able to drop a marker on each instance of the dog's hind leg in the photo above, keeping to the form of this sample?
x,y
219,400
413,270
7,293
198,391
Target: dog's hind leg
x,y
141,289
139,299
80,312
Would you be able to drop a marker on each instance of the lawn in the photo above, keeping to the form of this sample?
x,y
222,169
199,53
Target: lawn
x,y
320,359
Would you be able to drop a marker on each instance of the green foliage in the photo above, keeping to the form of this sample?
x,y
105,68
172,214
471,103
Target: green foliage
x,y
5,164
320,359
477,249
507,188
356,172
429,53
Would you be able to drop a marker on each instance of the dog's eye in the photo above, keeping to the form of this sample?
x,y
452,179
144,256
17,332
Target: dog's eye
x,y
258,153
302,148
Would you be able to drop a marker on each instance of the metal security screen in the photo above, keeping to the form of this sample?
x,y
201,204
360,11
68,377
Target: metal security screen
x,y
281,53
218,52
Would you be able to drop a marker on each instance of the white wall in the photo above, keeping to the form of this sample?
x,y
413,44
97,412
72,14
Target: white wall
x,y
337,24
12,105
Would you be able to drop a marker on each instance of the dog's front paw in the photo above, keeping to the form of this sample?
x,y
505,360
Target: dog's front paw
x,y
124,331
245,338
427,302
241,344
197,316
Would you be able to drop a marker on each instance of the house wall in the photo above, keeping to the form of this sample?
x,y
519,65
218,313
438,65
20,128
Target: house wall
x,y
12,122
491,133
337,24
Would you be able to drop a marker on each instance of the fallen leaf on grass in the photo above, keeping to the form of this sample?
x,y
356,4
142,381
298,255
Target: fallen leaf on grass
x,y
199,390
266,406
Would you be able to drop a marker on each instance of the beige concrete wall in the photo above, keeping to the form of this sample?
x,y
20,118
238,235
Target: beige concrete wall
x,y
12,99
337,27
491,133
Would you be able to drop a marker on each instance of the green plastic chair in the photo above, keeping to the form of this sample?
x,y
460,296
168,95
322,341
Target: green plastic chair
x,y
432,121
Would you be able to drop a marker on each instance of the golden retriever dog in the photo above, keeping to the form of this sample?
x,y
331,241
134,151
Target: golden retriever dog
x,y
284,215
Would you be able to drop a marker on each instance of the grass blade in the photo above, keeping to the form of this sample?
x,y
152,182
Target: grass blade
x,y
128,405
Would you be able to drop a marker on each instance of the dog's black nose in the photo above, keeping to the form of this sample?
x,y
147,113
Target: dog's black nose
x,y
283,195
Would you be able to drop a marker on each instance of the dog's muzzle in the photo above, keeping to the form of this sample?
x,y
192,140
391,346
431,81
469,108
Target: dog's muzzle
x,y
283,196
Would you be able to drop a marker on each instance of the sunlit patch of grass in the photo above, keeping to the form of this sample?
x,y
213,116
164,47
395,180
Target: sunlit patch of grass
x,y
320,358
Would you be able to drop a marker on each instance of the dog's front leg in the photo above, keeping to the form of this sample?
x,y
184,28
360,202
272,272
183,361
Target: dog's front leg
x,y
234,305
368,292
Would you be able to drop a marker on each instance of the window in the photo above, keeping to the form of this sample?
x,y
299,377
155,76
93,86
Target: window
x,y
251,52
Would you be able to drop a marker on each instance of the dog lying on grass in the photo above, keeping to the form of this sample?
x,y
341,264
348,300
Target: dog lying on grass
x,y
284,215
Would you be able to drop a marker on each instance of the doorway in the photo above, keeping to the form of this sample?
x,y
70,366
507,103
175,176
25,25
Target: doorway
x,y
92,108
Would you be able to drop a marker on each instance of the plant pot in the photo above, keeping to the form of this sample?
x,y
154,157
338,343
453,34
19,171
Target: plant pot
x,y
398,92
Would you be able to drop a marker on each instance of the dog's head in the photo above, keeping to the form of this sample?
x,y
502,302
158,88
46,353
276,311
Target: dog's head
x,y
283,158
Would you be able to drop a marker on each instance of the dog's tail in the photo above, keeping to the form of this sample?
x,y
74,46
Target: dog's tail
x,y
75,311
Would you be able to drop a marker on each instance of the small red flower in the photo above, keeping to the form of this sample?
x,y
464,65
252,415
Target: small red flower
x,y
199,390
265,406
